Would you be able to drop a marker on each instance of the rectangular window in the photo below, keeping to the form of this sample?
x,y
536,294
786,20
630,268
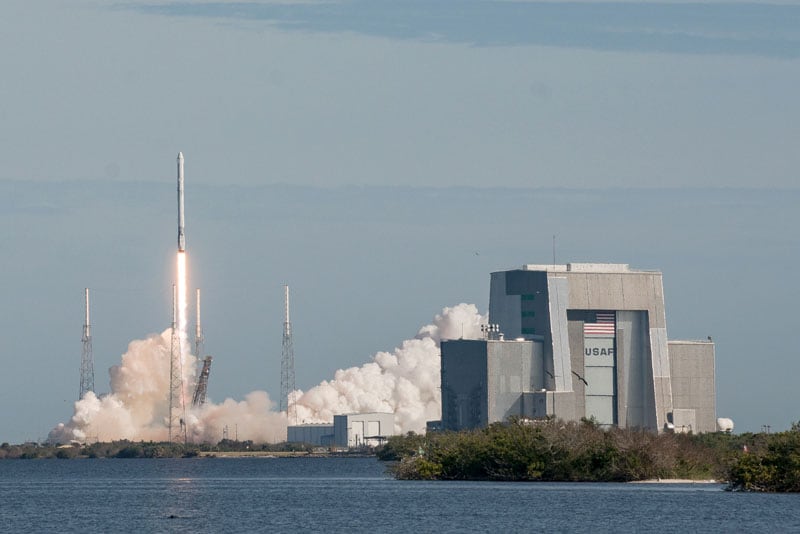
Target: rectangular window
x,y
529,314
527,297
531,331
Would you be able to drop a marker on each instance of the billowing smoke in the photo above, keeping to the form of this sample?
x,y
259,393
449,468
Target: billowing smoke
x,y
405,381
138,406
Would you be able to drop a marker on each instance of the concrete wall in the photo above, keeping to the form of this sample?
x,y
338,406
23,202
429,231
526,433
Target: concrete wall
x,y
464,375
483,381
506,311
514,292
558,291
634,290
637,406
575,327
692,369
511,372
559,404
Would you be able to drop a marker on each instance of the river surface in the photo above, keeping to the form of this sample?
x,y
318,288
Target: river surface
x,y
352,495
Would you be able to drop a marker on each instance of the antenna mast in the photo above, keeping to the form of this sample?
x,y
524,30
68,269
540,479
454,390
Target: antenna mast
x,y
177,410
87,360
287,401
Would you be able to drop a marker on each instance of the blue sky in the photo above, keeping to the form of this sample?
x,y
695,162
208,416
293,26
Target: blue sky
x,y
365,151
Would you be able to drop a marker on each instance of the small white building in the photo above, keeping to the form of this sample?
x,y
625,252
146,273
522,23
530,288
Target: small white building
x,y
350,430
362,429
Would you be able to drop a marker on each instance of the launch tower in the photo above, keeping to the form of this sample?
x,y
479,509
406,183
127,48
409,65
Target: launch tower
x,y
87,360
199,397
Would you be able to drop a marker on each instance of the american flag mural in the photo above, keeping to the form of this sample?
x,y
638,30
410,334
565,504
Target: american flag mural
x,y
605,325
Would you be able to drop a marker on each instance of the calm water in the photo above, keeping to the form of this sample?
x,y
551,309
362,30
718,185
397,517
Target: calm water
x,y
351,495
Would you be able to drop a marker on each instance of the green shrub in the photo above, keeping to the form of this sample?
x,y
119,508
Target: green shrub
x,y
553,451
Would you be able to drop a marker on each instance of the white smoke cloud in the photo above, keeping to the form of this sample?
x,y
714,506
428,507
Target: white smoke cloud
x,y
405,382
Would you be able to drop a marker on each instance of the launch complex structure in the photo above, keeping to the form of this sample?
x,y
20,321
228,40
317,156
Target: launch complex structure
x,y
87,359
177,406
177,395
178,398
287,400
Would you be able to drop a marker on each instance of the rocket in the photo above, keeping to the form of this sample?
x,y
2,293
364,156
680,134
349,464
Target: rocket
x,y
181,235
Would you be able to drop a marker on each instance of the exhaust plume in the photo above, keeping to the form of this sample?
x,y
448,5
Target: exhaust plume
x,y
405,381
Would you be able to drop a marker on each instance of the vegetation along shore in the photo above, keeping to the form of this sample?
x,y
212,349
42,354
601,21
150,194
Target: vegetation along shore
x,y
519,451
559,451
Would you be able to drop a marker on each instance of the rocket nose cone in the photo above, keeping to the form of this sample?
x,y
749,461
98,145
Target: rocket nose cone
x,y
180,155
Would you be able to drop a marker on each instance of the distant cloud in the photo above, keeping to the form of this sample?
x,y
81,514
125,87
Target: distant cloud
x,y
711,27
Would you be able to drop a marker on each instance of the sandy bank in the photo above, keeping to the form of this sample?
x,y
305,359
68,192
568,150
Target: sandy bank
x,y
676,481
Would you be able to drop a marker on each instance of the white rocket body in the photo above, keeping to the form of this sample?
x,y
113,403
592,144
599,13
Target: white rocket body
x,y
181,234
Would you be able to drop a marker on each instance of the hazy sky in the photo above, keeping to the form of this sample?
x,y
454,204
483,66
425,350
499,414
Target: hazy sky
x,y
461,92
379,117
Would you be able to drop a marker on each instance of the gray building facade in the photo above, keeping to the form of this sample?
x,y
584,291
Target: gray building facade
x,y
590,340
320,435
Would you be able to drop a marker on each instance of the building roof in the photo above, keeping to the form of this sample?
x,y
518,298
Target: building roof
x,y
605,268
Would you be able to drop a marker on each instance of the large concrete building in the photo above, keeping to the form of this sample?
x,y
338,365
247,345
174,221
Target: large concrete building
x,y
585,340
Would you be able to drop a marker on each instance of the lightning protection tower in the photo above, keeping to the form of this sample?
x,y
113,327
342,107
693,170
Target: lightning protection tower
x,y
177,410
87,360
287,365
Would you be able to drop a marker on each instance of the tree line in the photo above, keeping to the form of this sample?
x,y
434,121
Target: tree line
x,y
137,449
552,450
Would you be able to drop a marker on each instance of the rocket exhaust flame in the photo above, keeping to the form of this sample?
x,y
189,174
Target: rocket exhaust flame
x,y
182,296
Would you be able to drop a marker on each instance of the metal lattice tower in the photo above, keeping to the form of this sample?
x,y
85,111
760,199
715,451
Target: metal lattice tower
x,y
87,360
199,397
198,331
199,341
287,366
177,410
